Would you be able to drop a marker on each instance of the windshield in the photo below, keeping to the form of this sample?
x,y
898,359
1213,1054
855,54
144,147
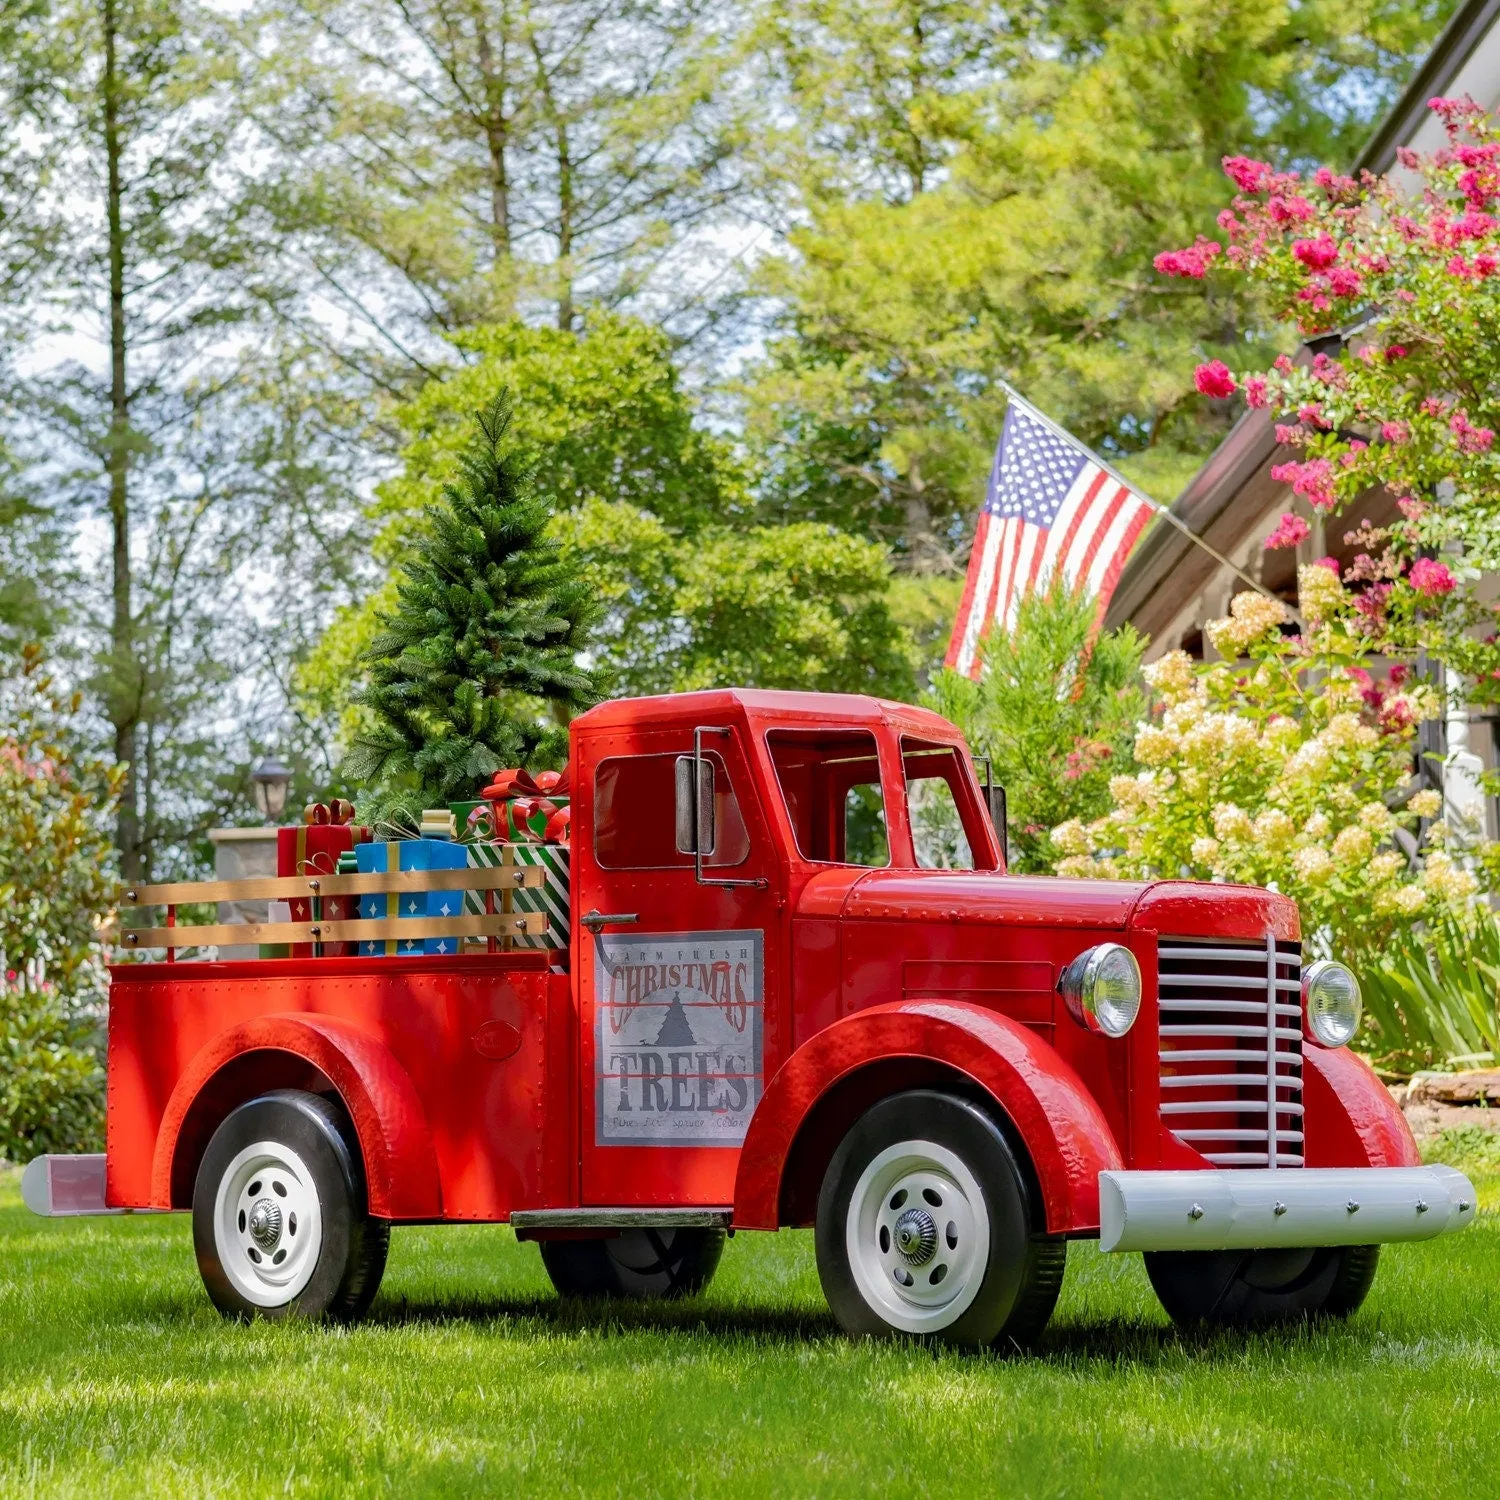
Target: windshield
x,y
940,799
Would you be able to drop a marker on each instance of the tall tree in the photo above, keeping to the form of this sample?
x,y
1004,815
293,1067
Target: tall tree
x,y
449,163
142,414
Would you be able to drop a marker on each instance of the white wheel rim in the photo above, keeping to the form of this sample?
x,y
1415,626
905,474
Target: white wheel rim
x,y
918,1236
268,1224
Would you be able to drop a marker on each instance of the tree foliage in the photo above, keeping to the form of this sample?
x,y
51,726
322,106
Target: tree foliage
x,y
799,607
1055,708
482,642
656,512
1002,190
479,162
57,885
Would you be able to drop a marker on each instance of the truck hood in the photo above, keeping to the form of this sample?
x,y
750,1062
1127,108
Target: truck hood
x,y
1182,908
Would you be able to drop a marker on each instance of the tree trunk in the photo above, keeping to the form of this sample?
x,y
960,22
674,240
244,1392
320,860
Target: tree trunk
x,y
124,688
496,138
567,194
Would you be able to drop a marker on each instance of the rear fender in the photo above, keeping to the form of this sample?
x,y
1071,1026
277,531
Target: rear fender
x,y
1351,1119
911,1044
401,1171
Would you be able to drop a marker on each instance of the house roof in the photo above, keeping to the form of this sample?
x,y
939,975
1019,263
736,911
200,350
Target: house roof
x,y
1229,496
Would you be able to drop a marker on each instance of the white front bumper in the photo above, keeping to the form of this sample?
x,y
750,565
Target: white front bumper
x,y
1261,1210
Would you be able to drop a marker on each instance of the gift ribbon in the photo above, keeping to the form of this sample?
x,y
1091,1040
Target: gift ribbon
x,y
338,812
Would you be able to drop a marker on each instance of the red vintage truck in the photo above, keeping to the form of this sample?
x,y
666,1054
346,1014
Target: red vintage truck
x,y
800,989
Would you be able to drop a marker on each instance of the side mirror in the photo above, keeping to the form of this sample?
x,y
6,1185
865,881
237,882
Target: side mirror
x,y
695,813
997,817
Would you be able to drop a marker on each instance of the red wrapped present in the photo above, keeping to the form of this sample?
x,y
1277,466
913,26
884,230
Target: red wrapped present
x,y
314,849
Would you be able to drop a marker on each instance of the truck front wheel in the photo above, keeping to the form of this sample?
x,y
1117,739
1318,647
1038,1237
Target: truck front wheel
x,y
280,1224
925,1227
641,1263
1244,1288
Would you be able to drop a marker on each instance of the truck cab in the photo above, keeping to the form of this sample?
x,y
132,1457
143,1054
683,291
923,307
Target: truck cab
x,y
800,989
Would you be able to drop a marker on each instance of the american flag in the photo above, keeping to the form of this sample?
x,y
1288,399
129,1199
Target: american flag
x,y
1051,511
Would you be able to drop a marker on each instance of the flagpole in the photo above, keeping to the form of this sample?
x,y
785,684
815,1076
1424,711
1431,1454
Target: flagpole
x,y
1156,505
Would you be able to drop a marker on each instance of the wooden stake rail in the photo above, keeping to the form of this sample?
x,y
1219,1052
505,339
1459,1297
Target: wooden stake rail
x,y
360,930
499,926
377,882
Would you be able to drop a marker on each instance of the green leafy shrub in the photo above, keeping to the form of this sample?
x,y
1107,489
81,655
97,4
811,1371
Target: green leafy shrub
x,y
57,886
1431,999
1056,711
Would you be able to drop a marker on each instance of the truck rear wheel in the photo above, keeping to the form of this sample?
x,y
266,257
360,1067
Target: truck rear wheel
x,y
925,1227
645,1264
280,1223
1244,1288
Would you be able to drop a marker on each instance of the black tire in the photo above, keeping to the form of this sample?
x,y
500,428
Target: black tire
x,y
1003,1296
1253,1288
643,1264
337,1279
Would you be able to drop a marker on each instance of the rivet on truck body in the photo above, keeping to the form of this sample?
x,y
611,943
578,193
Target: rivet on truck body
x,y
1196,1211
1352,1206
1279,1209
1421,1206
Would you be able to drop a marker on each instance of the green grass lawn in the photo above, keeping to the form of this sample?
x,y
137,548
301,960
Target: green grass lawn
x,y
117,1377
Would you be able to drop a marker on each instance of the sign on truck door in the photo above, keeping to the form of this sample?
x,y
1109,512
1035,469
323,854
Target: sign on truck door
x,y
674,992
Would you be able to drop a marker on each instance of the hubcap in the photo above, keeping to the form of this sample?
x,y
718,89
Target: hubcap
x,y
918,1236
268,1224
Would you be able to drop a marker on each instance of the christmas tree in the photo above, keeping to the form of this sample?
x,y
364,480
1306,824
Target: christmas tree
x,y
477,667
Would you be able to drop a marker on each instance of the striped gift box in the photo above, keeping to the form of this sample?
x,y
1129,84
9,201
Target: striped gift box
x,y
550,899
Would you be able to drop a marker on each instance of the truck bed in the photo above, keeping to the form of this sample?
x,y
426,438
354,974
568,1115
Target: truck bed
x,y
481,1043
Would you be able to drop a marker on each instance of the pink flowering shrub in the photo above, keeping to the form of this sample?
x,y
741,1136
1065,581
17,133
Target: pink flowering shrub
x,y
1410,405
57,887
1290,530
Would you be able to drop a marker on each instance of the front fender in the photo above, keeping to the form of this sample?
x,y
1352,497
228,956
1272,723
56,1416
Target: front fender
x,y
1351,1119
1056,1117
401,1172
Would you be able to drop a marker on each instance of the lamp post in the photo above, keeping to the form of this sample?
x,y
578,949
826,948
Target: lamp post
x,y
270,780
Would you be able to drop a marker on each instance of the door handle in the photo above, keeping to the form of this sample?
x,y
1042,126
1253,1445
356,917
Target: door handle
x,y
596,920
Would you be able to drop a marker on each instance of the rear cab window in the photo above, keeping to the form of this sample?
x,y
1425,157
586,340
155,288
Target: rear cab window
x,y
635,814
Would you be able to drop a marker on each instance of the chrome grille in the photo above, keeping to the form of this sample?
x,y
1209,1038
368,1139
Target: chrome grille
x,y
1231,1049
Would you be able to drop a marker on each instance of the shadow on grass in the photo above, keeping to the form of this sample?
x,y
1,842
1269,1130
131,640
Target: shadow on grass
x,y
614,1315
1114,1341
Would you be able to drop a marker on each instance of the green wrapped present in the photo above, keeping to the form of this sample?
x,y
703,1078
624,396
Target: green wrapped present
x,y
551,899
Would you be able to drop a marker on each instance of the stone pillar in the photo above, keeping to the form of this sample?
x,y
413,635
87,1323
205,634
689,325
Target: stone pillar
x,y
1463,800
242,854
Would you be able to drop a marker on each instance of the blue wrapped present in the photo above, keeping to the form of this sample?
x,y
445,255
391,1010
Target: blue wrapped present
x,y
412,854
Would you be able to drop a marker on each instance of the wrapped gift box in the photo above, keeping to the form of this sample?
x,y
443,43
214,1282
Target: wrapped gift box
x,y
314,849
412,854
551,899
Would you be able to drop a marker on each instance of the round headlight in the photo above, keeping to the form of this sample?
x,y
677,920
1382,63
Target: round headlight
x,y
1331,1003
1102,988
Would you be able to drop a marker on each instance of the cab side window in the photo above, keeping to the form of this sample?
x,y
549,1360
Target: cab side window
x,y
635,806
830,782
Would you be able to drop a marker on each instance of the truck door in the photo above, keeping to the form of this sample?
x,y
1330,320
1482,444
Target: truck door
x,y
675,959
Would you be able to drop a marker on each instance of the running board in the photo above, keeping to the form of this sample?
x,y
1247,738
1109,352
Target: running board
x,y
536,1223
65,1187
